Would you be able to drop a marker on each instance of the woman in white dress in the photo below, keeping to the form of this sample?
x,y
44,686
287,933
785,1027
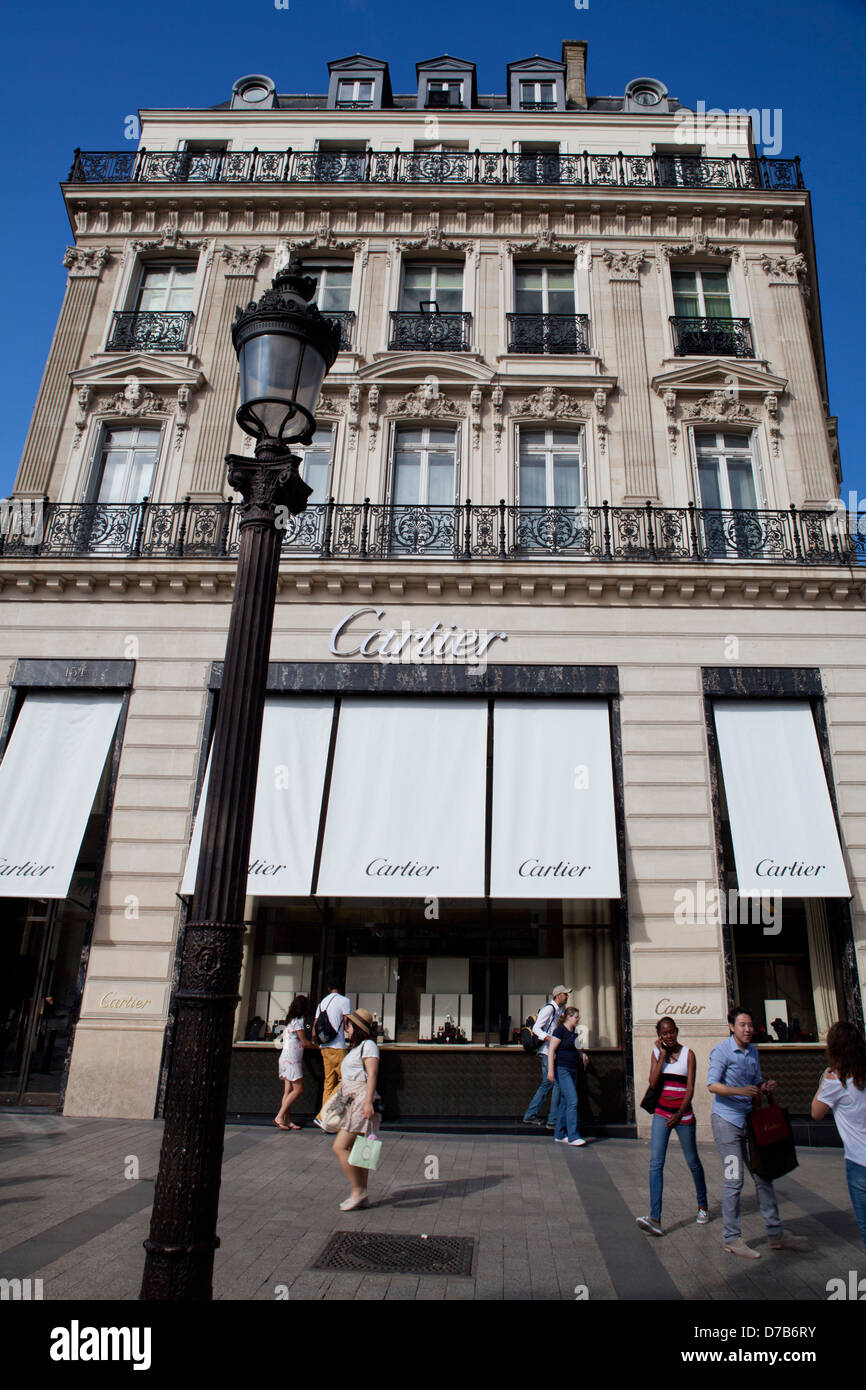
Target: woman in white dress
x,y
292,1060
358,1076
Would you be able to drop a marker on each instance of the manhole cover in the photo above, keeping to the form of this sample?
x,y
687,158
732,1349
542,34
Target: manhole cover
x,y
367,1252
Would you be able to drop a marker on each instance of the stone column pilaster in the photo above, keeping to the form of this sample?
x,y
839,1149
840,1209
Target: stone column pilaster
x,y
85,266
219,406
641,483
784,274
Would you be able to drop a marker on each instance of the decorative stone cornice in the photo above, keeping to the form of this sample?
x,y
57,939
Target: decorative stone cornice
x,y
550,404
784,270
134,402
242,260
624,265
85,262
433,240
169,239
546,242
324,240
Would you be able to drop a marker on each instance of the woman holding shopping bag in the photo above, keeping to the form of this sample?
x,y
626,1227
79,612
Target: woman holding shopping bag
x,y
359,1074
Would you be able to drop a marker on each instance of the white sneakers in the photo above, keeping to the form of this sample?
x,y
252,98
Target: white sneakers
x,y
577,1143
646,1223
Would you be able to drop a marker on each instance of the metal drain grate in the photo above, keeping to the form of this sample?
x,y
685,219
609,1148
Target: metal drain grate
x,y
368,1253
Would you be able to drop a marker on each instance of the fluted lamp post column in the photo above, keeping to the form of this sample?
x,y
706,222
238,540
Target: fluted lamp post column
x,y
285,349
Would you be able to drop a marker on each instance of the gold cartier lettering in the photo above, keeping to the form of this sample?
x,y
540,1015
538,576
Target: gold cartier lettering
x,y
667,1006
110,1000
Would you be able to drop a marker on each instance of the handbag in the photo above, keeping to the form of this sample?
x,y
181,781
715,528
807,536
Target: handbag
x,y
332,1112
772,1152
366,1152
651,1099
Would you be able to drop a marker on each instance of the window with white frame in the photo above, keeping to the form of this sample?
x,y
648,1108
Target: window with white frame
x,y
166,287
424,467
701,294
354,92
538,94
333,286
551,468
726,470
544,289
317,463
444,92
425,285
126,464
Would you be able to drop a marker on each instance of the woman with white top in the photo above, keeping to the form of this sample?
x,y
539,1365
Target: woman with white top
x,y
291,1067
842,1093
358,1077
673,1068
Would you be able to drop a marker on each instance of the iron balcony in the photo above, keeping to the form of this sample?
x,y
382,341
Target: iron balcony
x,y
153,330
464,532
460,166
430,332
711,337
548,333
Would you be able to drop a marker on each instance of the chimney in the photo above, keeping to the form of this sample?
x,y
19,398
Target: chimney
x,y
574,57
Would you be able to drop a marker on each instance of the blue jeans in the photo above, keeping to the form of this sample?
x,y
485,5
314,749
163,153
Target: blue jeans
x,y
534,1108
566,1118
660,1139
856,1175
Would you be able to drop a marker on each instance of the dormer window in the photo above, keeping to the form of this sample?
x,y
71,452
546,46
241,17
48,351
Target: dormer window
x,y
446,84
359,84
536,84
646,94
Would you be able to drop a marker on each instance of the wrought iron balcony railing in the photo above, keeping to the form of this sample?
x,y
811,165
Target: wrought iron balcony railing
x,y
430,332
709,337
548,333
459,166
154,330
465,532
346,319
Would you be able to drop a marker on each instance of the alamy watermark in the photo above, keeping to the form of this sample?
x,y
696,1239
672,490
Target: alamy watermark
x,y
707,906
708,126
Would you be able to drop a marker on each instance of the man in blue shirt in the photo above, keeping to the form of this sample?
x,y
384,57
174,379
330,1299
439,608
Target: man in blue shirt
x,y
734,1080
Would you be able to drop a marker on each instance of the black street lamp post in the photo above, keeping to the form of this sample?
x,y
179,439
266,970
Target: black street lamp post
x,y
285,349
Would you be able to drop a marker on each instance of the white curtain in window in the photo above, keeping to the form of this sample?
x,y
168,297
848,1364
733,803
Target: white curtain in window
x,y
821,966
589,955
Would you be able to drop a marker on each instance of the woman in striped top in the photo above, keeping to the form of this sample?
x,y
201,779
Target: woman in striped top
x,y
672,1067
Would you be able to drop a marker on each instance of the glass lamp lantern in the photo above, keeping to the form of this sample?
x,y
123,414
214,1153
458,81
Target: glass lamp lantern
x,y
285,348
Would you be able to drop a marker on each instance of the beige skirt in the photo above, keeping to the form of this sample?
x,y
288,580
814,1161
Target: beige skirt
x,y
354,1120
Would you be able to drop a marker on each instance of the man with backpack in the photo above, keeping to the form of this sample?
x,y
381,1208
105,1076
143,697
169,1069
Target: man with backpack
x,y
328,1033
542,1029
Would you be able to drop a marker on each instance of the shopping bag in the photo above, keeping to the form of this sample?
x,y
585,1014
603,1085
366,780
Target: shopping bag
x,y
771,1143
366,1151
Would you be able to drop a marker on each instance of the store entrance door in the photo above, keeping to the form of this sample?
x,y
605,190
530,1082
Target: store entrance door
x,y
40,962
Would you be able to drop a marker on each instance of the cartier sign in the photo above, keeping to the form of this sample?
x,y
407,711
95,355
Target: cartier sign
x,y
441,641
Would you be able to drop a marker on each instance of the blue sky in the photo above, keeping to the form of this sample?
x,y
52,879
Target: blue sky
x,y
74,74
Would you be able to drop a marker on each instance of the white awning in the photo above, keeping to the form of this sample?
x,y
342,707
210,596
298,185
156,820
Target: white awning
x,y
782,823
406,808
48,779
292,759
554,828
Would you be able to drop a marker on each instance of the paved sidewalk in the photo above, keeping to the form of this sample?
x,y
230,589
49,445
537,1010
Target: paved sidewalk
x,y
548,1221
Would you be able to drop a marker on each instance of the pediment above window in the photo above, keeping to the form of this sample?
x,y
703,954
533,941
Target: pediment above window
x,y
719,374
114,371
405,368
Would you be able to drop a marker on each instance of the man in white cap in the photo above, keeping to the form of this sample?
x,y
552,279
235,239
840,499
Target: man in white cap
x,y
543,1027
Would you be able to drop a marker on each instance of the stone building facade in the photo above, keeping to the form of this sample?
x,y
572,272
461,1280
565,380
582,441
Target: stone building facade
x,y
581,405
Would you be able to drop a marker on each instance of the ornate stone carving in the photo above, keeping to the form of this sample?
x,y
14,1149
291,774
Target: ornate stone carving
x,y
326,405
497,396
771,406
434,240
242,260
699,245
784,270
133,400
373,416
85,395
719,408
169,239
181,417
425,403
475,415
551,404
669,399
624,265
545,243
85,262
324,240
354,404
599,400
